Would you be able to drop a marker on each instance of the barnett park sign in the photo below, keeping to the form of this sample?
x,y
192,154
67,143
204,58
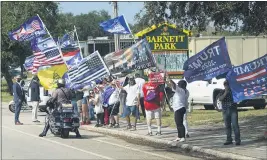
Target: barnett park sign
x,y
165,37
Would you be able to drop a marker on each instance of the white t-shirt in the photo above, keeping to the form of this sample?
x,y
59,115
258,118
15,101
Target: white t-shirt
x,y
114,97
132,93
180,98
140,82
98,106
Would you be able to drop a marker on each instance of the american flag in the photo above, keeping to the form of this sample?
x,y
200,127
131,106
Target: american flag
x,y
49,57
89,69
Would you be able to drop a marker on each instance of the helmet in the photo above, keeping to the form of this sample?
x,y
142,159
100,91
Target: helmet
x,y
61,83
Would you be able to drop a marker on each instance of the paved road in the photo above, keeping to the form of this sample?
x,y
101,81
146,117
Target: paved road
x,y
22,142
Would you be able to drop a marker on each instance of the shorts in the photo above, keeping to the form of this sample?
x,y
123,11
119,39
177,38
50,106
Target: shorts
x,y
131,110
153,114
84,100
116,109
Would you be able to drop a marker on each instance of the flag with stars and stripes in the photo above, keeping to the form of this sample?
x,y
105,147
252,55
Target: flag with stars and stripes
x,y
29,64
89,69
46,52
29,30
248,80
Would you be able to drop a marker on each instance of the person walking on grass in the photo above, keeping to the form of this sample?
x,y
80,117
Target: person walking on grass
x,y
180,101
230,115
132,102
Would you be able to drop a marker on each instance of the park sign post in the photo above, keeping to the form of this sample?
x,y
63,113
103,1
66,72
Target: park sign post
x,y
169,46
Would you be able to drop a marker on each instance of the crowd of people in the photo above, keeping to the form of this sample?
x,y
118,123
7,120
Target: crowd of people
x,y
110,99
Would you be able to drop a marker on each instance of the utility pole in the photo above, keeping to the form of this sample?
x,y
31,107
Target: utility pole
x,y
116,36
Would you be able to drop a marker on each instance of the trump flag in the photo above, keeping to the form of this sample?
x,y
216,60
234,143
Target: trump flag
x,y
31,29
248,80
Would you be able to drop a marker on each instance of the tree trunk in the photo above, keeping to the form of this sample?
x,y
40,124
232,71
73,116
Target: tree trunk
x,y
8,79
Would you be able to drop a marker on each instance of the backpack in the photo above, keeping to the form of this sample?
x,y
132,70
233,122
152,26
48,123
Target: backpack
x,y
151,95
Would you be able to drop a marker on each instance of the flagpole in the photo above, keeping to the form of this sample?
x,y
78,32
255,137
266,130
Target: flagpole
x,y
78,42
53,40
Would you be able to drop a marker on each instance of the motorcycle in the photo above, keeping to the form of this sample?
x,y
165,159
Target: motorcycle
x,y
63,120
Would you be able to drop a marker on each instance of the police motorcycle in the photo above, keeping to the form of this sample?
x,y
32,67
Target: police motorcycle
x,y
61,119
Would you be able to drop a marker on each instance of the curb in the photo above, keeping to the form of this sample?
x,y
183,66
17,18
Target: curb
x,y
164,143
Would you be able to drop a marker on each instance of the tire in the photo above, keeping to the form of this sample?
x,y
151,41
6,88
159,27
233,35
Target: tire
x,y
42,110
65,133
262,106
209,107
12,108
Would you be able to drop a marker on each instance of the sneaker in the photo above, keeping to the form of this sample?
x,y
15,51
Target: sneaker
x,y
149,134
97,125
228,142
128,127
187,135
82,123
36,121
87,123
116,126
182,140
158,133
237,143
133,129
110,125
176,140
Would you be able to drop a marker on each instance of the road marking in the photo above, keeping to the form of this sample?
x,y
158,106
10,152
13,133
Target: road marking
x,y
134,149
78,149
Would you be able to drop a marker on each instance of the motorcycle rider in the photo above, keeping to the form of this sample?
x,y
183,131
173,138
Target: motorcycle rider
x,y
60,96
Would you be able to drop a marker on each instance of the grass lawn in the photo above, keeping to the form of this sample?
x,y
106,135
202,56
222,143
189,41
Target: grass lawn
x,y
5,96
207,117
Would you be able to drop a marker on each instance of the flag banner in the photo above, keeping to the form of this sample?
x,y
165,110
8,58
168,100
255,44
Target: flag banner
x,y
74,60
248,80
116,25
89,69
46,52
156,77
41,44
29,64
49,76
67,40
31,29
138,56
212,61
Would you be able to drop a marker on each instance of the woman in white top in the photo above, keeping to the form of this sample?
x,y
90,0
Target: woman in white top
x,y
180,102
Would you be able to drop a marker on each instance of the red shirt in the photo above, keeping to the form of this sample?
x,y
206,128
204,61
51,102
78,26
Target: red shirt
x,y
155,104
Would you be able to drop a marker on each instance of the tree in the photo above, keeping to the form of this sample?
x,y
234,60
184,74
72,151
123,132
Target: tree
x,y
13,15
238,16
88,24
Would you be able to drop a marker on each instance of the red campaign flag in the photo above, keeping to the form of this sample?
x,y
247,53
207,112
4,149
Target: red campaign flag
x,y
156,77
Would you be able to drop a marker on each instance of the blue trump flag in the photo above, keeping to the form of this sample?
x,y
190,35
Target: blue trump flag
x,y
31,29
211,62
248,80
116,25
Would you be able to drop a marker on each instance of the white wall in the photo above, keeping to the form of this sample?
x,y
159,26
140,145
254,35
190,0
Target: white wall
x,y
241,49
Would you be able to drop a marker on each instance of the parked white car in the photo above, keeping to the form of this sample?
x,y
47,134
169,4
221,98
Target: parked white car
x,y
206,93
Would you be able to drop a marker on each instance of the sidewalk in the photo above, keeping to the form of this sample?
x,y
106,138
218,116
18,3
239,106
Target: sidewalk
x,y
203,139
